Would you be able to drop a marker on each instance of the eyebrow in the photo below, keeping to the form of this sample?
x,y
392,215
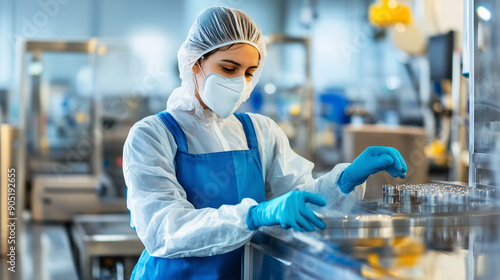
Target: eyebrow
x,y
236,63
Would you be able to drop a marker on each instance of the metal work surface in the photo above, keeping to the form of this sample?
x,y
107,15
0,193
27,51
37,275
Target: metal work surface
x,y
50,255
45,254
382,241
106,235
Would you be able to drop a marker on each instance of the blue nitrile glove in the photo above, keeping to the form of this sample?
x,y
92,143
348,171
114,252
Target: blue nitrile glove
x,y
288,210
371,161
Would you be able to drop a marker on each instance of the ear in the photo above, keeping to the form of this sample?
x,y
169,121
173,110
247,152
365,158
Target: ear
x,y
196,68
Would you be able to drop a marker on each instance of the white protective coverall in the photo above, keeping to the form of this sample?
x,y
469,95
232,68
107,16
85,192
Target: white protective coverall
x,y
165,221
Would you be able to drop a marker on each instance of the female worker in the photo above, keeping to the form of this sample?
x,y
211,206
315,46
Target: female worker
x,y
201,179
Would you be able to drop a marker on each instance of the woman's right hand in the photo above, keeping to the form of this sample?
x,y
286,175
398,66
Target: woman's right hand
x,y
288,210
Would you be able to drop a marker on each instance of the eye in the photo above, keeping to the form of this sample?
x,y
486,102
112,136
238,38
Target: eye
x,y
248,75
227,70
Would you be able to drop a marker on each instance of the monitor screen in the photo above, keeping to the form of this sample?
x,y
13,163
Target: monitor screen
x,y
440,54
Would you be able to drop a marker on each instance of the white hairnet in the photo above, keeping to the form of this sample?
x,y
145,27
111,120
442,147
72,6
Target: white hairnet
x,y
213,28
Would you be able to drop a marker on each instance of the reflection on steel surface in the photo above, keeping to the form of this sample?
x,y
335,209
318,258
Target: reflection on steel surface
x,y
380,241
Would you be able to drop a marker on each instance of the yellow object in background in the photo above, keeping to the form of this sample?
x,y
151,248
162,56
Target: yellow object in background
x,y
44,146
81,118
436,152
389,12
294,110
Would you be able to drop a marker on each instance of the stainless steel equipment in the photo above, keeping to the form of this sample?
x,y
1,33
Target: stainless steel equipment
x,y
483,45
74,125
60,129
290,102
59,122
60,198
3,105
277,254
47,254
73,141
107,246
376,242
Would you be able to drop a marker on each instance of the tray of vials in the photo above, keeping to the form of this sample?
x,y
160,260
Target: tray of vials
x,y
438,196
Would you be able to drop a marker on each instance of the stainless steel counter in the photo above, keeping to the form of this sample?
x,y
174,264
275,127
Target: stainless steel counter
x,y
380,241
106,237
93,247
44,254
48,253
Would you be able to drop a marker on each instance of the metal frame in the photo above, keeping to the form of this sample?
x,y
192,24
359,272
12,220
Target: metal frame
x,y
472,44
99,243
309,102
37,48
479,159
66,182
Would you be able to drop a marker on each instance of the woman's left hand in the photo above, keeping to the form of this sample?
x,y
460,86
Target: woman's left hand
x,y
371,161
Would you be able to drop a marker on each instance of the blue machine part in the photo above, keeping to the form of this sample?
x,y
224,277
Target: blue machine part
x,y
333,107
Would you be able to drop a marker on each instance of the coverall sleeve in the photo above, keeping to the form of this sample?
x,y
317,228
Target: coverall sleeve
x,y
286,171
165,221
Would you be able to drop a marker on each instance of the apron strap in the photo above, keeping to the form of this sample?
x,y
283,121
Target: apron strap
x,y
180,137
175,129
249,130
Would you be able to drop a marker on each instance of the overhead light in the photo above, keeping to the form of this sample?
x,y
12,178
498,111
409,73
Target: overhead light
x,y
35,68
270,88
151,47
483,13
393,82
102,50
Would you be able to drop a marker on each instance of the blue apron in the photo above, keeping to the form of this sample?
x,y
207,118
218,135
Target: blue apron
x,y
221,178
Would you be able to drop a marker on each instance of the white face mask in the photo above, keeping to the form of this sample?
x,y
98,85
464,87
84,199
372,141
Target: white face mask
x,y
224,95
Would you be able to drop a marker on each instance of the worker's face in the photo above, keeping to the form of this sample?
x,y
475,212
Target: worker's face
x,y
239,60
